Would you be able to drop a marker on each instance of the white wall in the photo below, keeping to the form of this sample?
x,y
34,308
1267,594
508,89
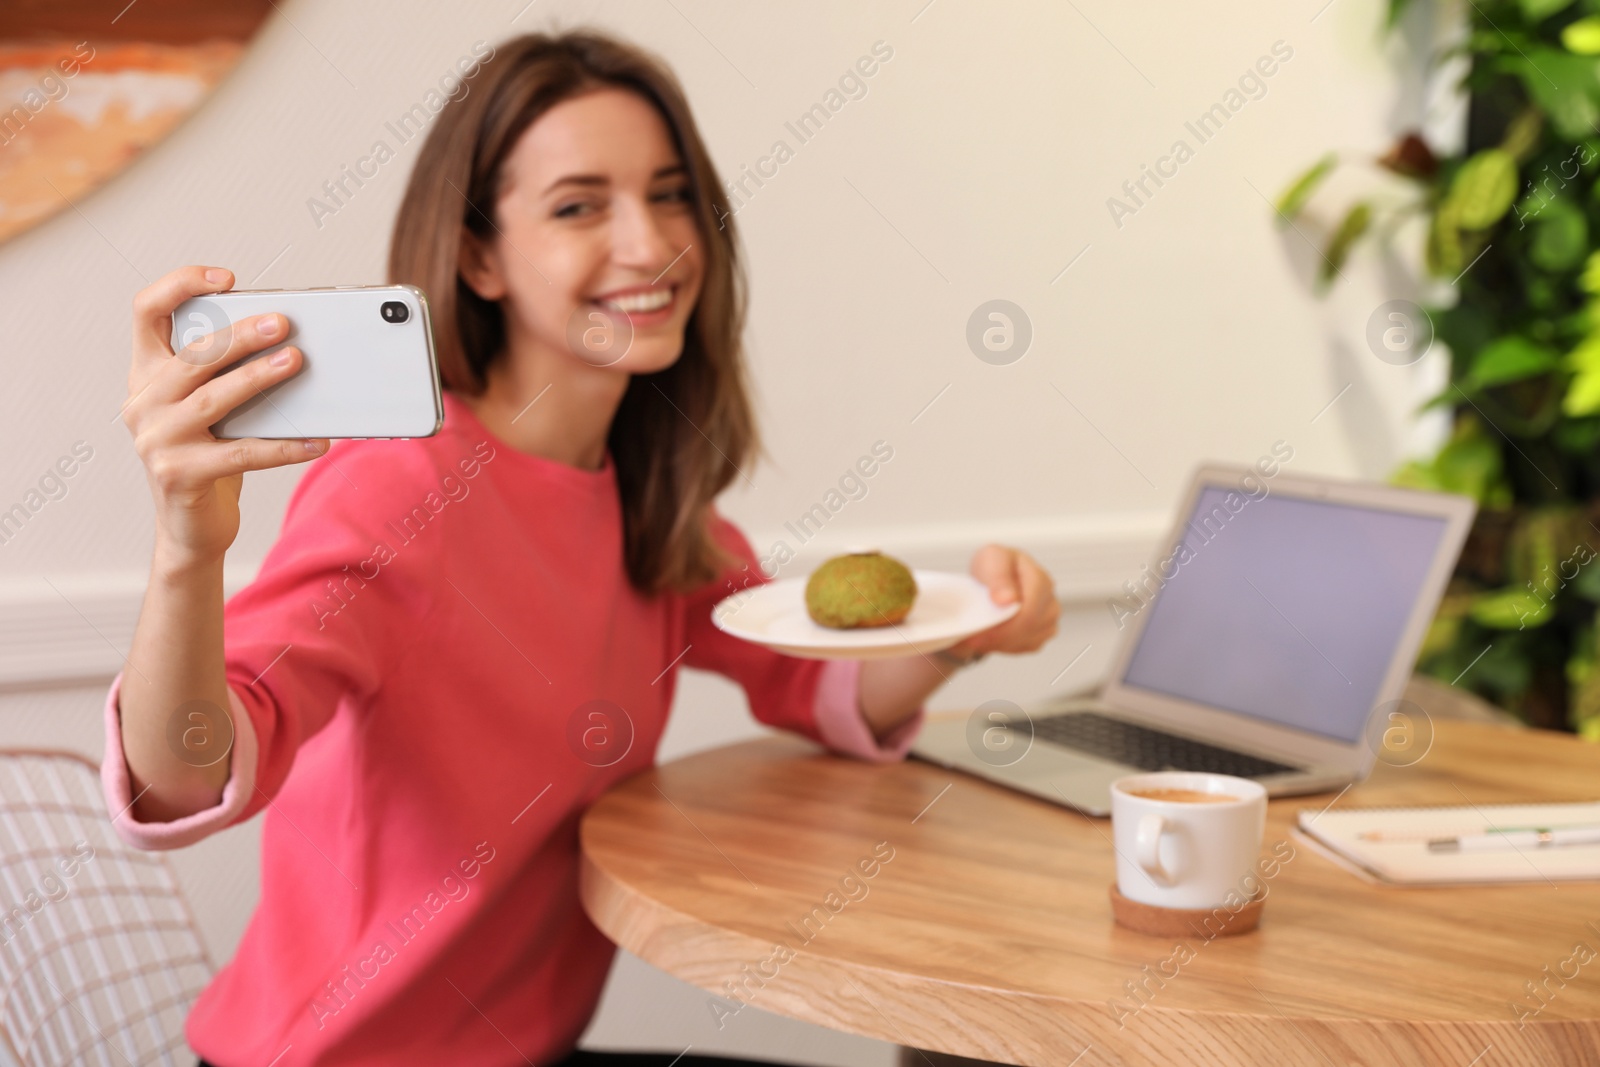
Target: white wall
x,y
977,167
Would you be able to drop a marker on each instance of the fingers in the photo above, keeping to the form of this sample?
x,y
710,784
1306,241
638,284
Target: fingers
x,y
154,304
1012,575
1038,590
203,464
207,356
213,399
157,379
163,429
215,350
996,567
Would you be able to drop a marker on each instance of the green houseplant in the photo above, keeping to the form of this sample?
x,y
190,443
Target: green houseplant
x,y
1513,220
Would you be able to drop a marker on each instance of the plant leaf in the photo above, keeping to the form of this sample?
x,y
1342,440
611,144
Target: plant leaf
x,y
1510,609
1444,253
1443,633
1484,188
1583,36
1536,10
1470,466
1587,584
1355,223
1585,357
1532,550
1294,198
1522,134
1465,329
1572,113
1583,395
1532,205
1416,474
1505,670
1564,85
1560,236
1510,359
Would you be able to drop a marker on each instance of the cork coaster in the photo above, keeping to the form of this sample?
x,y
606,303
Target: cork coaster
x,y
1185,922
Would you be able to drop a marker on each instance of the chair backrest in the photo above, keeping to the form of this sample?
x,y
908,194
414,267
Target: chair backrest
x,y
99,955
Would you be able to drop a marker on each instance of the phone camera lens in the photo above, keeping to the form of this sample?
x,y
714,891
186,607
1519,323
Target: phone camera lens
x,y
395,311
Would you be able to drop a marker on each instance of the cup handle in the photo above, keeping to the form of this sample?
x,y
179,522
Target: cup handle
x,y
1148,845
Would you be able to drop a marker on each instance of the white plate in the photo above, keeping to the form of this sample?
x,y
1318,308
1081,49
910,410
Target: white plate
x,y
948,609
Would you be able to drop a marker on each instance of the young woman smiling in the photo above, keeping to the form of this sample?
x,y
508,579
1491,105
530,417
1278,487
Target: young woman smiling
x,y
419,900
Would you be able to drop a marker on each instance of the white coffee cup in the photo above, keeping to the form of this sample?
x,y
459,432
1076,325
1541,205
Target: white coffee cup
x,y
1186,853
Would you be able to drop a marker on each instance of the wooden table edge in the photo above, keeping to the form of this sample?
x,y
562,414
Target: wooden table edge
x,y
975,1024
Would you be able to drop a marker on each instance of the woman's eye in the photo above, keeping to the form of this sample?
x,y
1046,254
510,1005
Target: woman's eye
x,y
574,210
680,195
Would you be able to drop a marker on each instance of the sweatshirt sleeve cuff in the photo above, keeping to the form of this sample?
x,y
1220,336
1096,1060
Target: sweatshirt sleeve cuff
x,y
841,724
116,784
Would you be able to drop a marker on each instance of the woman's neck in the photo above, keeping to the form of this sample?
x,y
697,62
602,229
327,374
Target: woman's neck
x,y
550,404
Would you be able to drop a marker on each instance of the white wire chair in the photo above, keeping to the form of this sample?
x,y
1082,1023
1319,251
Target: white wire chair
x,y
100,958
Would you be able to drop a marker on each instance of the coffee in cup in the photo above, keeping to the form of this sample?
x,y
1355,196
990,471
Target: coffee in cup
x,y
1185,839
1184,796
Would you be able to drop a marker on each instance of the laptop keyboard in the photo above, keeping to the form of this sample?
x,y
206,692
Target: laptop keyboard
x,y
1147,749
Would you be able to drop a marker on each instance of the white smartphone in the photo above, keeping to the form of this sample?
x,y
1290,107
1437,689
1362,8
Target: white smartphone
x,y
369,368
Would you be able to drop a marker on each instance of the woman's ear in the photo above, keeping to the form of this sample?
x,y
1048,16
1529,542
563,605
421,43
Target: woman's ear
x,y
479,267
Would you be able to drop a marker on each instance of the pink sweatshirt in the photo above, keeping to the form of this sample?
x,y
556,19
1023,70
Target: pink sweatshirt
x,y
440,665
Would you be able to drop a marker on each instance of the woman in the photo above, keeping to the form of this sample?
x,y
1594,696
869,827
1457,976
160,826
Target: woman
x,y
459,642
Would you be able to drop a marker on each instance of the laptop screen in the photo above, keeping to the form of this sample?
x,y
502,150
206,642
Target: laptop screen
x,y
1282,608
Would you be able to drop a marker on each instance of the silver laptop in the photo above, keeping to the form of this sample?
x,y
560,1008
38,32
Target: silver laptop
x,y
1278,619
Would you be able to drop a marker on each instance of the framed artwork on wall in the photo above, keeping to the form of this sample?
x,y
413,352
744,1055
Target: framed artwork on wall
x,y
87,85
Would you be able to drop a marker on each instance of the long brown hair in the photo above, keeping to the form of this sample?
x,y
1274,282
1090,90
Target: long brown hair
x,y
680,434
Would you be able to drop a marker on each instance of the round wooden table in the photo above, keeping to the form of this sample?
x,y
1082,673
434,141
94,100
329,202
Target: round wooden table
x,y
918,906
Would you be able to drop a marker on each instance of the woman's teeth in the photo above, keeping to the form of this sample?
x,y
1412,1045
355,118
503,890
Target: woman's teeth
x,y
638,303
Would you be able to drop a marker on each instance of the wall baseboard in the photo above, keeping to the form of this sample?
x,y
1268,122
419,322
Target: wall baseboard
x,y
76,629
1088,556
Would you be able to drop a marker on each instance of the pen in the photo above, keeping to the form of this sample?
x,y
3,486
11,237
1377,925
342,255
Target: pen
x,y
1423,835
1498,839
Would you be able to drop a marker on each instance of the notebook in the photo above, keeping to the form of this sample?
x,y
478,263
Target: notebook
x,y
1402,856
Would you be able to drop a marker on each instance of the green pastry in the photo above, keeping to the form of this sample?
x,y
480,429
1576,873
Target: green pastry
x,y
859,590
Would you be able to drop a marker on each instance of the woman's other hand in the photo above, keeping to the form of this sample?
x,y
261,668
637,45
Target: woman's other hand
x,y
1013,576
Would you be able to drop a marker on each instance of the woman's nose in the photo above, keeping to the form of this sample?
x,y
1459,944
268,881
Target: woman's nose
x,y
637,239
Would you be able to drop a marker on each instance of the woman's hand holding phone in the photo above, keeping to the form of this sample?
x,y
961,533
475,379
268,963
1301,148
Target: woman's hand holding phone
x,y
175,668
175,397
